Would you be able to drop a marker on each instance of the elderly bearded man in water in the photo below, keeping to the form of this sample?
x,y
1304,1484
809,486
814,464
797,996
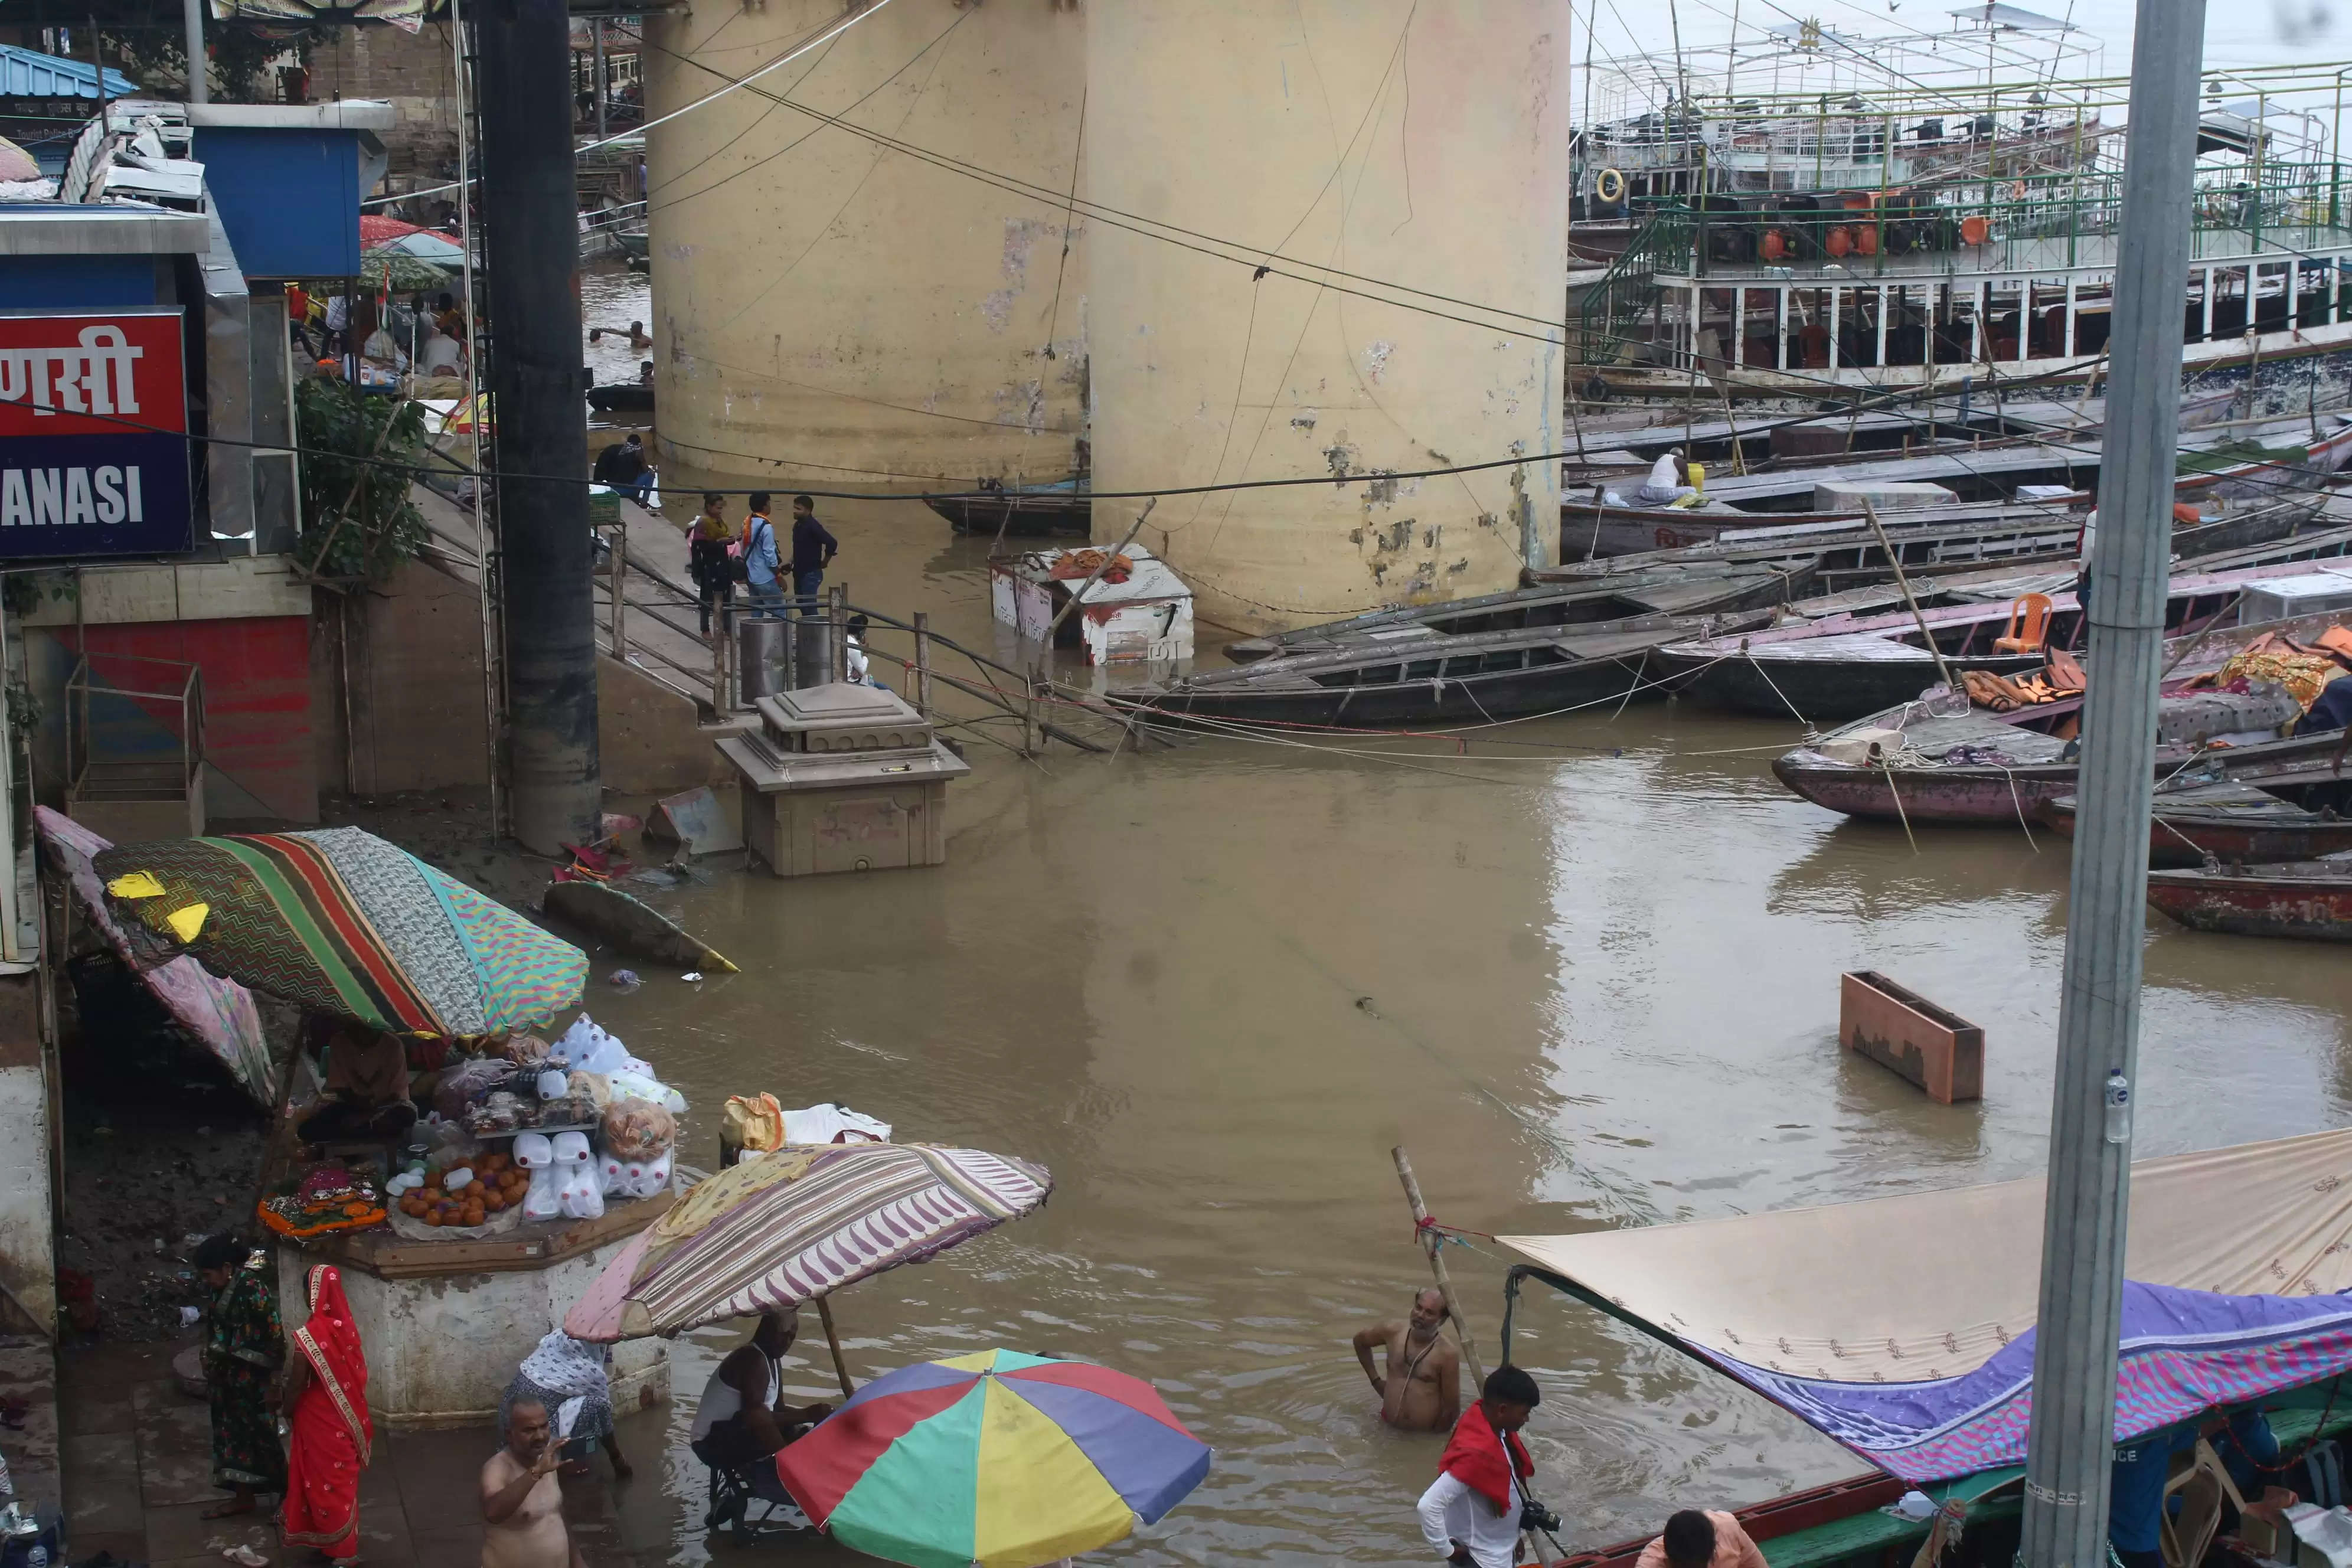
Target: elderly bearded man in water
x,y
1421,1390
522,1508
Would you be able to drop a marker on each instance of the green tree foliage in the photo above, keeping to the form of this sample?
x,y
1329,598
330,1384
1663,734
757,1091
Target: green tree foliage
x,y
146,40
358,522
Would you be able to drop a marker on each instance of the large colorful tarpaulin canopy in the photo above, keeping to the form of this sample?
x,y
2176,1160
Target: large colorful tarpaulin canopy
x,y
1902,1327
788,1227
341,921
994,1458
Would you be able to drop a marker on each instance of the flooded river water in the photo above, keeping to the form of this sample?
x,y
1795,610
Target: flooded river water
x,y
1588,979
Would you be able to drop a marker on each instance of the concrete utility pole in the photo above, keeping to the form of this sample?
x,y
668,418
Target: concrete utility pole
x,y
530,211
2071,1442
200,87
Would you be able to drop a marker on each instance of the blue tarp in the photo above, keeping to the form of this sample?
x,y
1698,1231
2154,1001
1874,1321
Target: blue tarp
x,y
28,73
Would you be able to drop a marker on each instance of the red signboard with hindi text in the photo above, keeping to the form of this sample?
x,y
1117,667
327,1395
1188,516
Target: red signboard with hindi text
x,y
94,454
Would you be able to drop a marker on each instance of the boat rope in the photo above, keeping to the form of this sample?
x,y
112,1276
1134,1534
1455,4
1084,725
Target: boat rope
x,y
2020,805
1774,685
1901,815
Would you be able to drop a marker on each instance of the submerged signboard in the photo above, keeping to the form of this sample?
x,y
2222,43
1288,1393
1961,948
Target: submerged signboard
x,y
94,455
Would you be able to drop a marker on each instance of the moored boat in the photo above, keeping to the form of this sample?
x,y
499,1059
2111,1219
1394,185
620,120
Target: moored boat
x,y
1476,677
1903,1329
2228,820
1666,591
2306,898
1843,666
1020,511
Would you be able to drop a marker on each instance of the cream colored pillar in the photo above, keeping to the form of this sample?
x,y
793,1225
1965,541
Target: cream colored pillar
x,y
829,311
1423,146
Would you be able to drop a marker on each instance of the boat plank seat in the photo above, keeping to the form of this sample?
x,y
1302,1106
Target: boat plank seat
x,y
2029,620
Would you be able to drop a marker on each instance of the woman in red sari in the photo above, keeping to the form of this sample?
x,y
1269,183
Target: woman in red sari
x,y
326,1404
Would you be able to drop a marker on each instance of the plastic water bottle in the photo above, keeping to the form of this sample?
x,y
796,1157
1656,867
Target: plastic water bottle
x,y
2118,1107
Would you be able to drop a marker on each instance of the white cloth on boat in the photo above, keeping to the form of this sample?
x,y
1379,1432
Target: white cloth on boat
x,y
827,1123
1451,1511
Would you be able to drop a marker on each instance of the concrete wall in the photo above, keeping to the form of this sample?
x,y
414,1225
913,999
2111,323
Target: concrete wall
x,y
416,73
441,1350
649,740
836,313
415,692
28,1266
1424,146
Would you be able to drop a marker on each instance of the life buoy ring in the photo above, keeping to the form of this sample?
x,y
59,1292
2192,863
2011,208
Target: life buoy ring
x,y
1611,186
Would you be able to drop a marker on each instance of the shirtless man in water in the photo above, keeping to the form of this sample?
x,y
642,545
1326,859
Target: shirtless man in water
x,y
522,1508
1421,1390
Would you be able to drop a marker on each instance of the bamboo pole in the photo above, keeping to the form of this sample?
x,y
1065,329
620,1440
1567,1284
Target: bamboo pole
x,y
1895,561
923,661
1436,1250
833,1344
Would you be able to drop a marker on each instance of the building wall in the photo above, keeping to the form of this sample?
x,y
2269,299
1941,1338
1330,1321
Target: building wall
x,y
243,622
835,313
1424,145
27,1247
415,73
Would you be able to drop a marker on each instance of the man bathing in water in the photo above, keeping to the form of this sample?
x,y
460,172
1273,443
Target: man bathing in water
x,y
1421,1389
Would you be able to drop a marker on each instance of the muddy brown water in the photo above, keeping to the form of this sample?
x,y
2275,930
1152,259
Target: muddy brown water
x,y
1588,980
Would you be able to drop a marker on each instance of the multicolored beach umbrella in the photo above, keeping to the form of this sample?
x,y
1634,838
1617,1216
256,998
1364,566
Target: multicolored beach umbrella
x,y
993,1461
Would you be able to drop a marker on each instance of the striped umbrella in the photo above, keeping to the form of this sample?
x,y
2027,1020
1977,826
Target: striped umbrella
x,y
799,1224
341,921
996,1459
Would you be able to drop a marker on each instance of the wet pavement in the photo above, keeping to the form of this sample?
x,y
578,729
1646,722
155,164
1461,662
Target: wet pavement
x,y
1586,974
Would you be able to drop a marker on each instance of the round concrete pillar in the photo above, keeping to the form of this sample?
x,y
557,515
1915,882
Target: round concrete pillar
x,y
1418,146
830,312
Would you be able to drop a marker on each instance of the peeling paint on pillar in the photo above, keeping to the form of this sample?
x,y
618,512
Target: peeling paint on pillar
x,y
1373,388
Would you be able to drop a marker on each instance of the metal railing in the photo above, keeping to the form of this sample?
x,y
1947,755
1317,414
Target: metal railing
x,y
176,702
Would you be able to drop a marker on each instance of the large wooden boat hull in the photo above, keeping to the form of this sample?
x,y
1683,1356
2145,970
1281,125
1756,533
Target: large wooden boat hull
x,y
1019,514
2258,829
2309,899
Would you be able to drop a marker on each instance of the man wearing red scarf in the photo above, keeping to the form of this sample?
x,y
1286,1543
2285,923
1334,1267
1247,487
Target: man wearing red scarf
x,y
326,1404
1471,1513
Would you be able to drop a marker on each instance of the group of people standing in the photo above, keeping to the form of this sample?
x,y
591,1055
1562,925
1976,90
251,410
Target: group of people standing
x,y
719,556
321,1390
319,1384
1475,1511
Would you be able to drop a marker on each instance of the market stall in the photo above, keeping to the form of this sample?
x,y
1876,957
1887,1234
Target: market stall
x,y
468,1174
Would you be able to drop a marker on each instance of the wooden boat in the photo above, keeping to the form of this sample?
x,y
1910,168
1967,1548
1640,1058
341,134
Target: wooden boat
x,y
1018,512
1843,666
2232,820
1666,591
2275,458
1975,768
623,398
1925,1301
1476,677
636,244
2306,898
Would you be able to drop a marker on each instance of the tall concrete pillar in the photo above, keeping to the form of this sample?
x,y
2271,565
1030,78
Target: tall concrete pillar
x,y
549,615
1422,146
829,311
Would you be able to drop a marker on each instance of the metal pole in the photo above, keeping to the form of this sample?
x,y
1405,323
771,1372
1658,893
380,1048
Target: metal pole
x,y
98,64
599,35
484,573
1435,1248
2070,1445
837,630
200,87
923,661
620,567
530,205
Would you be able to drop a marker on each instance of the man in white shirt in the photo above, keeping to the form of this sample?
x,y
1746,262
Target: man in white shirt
x,y
1664,486
1470,1514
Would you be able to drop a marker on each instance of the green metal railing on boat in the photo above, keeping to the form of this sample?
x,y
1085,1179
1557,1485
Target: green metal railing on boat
x,y
1628,289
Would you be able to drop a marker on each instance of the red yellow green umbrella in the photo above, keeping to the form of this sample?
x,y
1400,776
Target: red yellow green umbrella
x,y
994,1459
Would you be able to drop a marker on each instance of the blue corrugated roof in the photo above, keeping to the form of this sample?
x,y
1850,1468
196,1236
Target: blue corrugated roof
x,y
27,73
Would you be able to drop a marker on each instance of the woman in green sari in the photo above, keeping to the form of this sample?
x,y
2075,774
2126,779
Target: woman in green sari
x,y
242,1355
